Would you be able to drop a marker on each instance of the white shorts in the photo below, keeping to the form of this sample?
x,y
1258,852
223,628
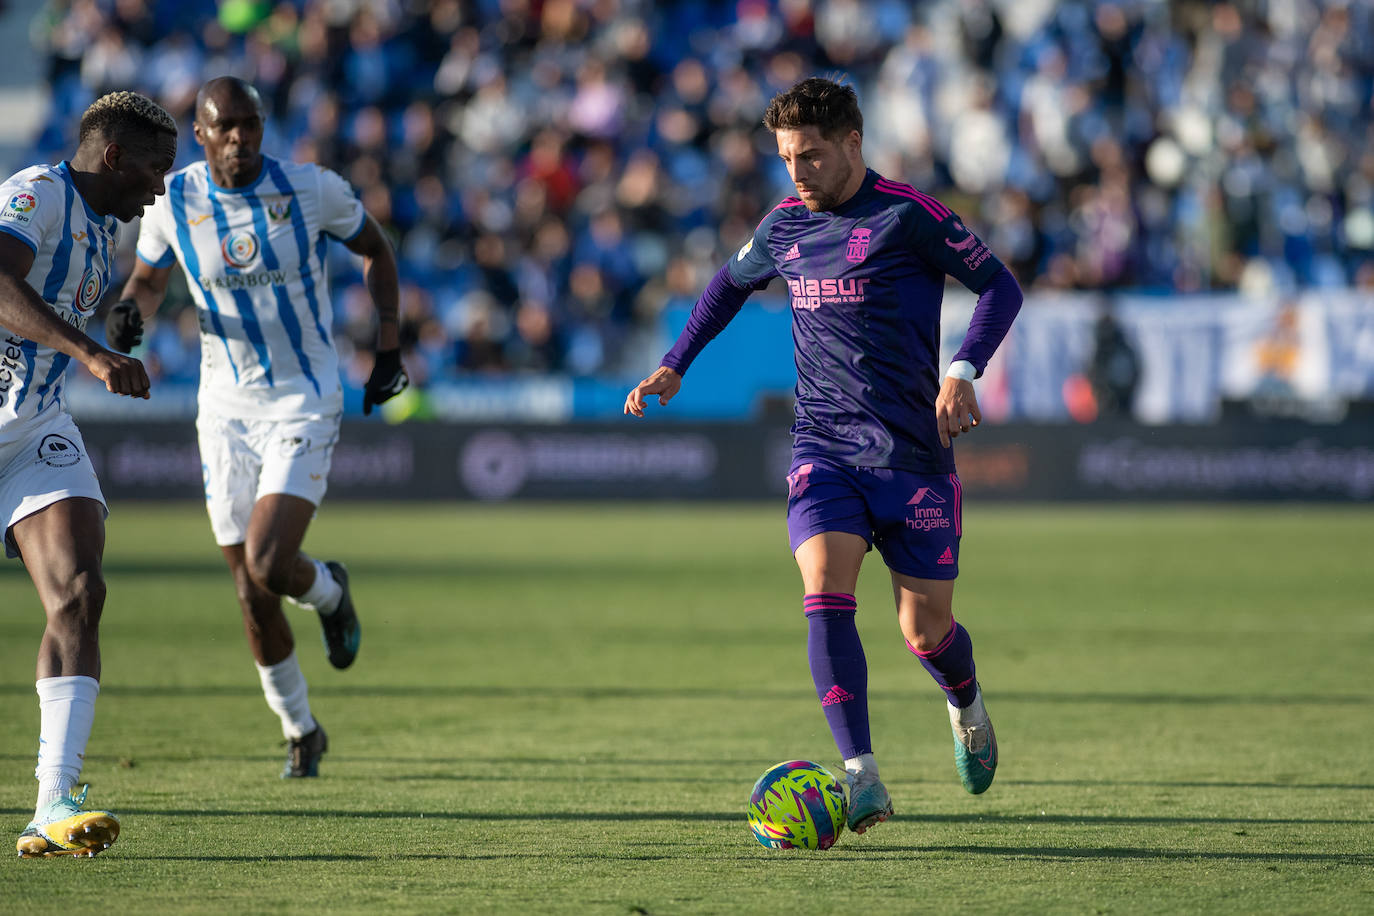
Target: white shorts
x,y
46,465
242,461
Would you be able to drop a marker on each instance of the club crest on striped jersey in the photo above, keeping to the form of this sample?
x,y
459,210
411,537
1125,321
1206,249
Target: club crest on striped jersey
x,y
279,211
89,292
240,248
858,245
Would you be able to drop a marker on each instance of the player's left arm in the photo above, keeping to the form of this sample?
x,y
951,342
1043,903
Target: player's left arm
x,y
388,377
943,240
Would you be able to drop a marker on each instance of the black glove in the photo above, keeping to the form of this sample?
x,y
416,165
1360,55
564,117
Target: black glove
x,y
388,379
124,326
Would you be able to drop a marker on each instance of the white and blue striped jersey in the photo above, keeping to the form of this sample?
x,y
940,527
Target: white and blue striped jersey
x,y
73,247
255,263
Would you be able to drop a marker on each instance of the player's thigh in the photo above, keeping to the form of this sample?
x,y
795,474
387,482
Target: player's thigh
x,y
62,544
230,465
828,527
918,522
44,466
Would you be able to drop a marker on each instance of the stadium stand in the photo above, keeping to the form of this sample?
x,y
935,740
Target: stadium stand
x,y
558,173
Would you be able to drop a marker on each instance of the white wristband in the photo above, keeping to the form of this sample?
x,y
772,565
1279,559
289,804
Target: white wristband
x,y
962,369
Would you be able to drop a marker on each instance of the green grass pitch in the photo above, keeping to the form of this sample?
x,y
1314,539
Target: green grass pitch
x,y
561,708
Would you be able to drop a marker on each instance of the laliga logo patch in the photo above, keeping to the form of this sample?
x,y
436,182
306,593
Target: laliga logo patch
x,y
745,250
58,451
240,249
19,207
88,293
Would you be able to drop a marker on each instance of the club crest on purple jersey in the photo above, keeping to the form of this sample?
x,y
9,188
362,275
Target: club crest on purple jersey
x,y
858,245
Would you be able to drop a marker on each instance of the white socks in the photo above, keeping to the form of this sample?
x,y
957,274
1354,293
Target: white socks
x,y
66,711
283,685
324,593
864,763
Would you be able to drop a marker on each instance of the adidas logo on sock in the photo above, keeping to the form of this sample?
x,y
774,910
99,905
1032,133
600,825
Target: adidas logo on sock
x,y
836,694
946,558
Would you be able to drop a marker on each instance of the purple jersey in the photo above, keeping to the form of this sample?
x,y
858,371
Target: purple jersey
x,y
865,281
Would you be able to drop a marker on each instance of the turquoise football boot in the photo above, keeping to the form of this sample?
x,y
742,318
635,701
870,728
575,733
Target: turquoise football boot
x,y
975,745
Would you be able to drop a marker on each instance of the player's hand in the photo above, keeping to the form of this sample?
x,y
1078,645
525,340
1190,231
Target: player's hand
x,y
124,326
121,374
956,409
664,382
388,379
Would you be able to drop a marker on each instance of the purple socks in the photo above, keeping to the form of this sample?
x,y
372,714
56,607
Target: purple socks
x,y
839,669
951,664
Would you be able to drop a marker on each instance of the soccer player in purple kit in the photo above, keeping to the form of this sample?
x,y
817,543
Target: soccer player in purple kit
x,y
865,260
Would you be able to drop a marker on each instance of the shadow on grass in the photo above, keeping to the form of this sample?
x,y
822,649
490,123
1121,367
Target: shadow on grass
x,y
660,693
1078,853
1029,820
838,857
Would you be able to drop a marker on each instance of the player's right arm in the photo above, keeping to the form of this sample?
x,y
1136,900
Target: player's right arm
x,y
24,313
724,296
147,285
143,294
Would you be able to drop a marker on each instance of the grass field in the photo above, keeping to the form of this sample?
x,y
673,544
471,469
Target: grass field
x,y
562,709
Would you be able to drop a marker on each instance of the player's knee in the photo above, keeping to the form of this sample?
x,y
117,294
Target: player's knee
x,y
270,571
78,602
926,634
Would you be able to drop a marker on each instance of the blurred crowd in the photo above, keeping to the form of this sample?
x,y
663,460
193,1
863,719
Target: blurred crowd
x,y
555,173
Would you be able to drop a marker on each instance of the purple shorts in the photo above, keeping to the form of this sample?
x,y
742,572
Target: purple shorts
x,y
915,520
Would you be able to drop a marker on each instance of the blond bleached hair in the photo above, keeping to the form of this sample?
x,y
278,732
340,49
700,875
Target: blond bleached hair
x,y
118,113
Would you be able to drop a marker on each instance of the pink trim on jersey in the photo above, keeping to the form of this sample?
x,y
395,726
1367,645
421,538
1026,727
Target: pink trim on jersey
x,y
958,505
944,643
786,202
933,206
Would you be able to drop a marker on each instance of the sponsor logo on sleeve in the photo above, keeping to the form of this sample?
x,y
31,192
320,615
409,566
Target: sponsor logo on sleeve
x,y
973,250
20,207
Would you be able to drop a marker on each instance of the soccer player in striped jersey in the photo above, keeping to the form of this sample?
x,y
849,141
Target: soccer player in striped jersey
x,y
250,232
57,242
865,260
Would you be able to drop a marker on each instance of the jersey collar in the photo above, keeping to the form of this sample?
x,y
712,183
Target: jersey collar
x,y
64,169
845,209
246,189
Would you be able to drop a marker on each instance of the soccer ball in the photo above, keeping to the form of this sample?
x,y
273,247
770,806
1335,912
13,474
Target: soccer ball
x,y
797,805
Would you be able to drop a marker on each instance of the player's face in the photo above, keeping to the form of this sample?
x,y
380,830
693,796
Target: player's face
x,y
229,126
826,172
140,171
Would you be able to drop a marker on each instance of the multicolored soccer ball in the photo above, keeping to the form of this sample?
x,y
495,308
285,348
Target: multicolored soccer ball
x,y
797,805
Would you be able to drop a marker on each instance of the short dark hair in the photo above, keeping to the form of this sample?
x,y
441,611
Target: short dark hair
x,y
117,115
816,102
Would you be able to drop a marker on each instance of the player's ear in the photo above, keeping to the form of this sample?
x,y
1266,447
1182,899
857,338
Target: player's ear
x,y
112,155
